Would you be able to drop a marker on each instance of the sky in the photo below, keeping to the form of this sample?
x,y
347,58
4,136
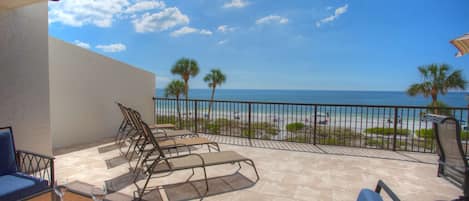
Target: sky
x,y
263,44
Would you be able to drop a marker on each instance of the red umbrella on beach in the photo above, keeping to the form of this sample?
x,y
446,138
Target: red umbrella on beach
x,y
462,43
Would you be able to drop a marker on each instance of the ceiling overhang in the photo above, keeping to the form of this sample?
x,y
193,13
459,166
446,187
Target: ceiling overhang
x,y
12,4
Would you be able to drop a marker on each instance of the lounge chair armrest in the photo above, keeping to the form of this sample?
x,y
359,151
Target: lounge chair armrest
x,y
36,165
382,185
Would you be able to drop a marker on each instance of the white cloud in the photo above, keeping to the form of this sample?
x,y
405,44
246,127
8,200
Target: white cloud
x,y
271,19
82,12
162,81
115,47
222,42
145,5
236,4
189,30
82,44
338,12
225,28
161,21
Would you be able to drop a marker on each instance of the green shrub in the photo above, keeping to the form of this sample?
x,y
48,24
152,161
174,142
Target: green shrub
x,y
295,127
425,133
428,134
248,133
213,128
387,131
163,119
269,128
336,132
301,139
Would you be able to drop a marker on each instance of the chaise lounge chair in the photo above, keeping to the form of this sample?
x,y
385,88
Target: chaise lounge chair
x,y
143,145
156,161
453,163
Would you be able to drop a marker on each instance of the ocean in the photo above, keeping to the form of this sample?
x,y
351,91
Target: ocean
x,y
453,99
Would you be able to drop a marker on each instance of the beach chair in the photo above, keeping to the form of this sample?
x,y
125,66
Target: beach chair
x,y
452,163
143,145
132,133
370,195
156,161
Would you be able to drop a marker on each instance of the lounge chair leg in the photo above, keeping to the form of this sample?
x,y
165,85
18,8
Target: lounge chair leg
x,y
255,170
208,146
144,187
206,181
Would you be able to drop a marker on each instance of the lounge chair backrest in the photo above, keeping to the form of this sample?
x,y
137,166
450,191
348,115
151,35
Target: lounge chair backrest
x,y
448,135
123,110
135,119
7,152
151,138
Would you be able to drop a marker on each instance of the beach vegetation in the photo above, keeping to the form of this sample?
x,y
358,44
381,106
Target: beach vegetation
x,y
248,133
387,131
165,119
295,127
437,79
214,78
268,128
175,88
186,68
424,133
213,128
428,134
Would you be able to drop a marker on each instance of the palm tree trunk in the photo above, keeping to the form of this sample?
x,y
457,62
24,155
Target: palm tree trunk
x,y
178,110
211,101
435,103
186,94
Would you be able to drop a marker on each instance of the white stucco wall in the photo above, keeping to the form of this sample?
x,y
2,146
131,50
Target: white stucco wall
x,y
24,76
83,88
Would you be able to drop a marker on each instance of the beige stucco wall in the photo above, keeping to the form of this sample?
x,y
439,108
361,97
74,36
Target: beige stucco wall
x,y
83,88
24,76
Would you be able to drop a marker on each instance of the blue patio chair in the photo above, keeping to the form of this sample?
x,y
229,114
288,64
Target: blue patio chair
x,y
370,195
22,173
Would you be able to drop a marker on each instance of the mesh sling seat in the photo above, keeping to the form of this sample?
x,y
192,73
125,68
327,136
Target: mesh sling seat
x,y
22,173
452,163
160,163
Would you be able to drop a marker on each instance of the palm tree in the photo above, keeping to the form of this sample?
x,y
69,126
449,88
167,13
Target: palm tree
x,y
437,79
186,68
214,79
175,88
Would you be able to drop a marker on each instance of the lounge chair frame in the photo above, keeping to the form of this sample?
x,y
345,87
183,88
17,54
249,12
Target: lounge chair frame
x,y
447,169
162,158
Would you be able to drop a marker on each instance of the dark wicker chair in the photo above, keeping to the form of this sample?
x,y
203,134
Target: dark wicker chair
x,y
22,173
452,163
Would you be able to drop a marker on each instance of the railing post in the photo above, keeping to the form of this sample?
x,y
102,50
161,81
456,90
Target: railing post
x,y
154,110
249,122
315,123
395,129
196,104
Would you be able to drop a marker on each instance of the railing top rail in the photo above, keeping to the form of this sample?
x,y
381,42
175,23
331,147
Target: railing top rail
x,y
316,104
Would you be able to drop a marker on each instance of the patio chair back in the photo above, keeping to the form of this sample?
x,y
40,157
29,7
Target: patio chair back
x,y
448,136
152,140
7,151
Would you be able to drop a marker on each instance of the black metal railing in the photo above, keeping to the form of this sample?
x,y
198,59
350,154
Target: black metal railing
x,y
398,128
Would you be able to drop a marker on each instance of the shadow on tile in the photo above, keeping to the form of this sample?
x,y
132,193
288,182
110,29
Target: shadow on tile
x,y
196,189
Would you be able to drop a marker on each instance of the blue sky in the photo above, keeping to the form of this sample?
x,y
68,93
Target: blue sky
x,y
265,44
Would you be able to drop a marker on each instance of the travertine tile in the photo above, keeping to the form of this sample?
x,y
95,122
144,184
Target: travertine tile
x,y
308,174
